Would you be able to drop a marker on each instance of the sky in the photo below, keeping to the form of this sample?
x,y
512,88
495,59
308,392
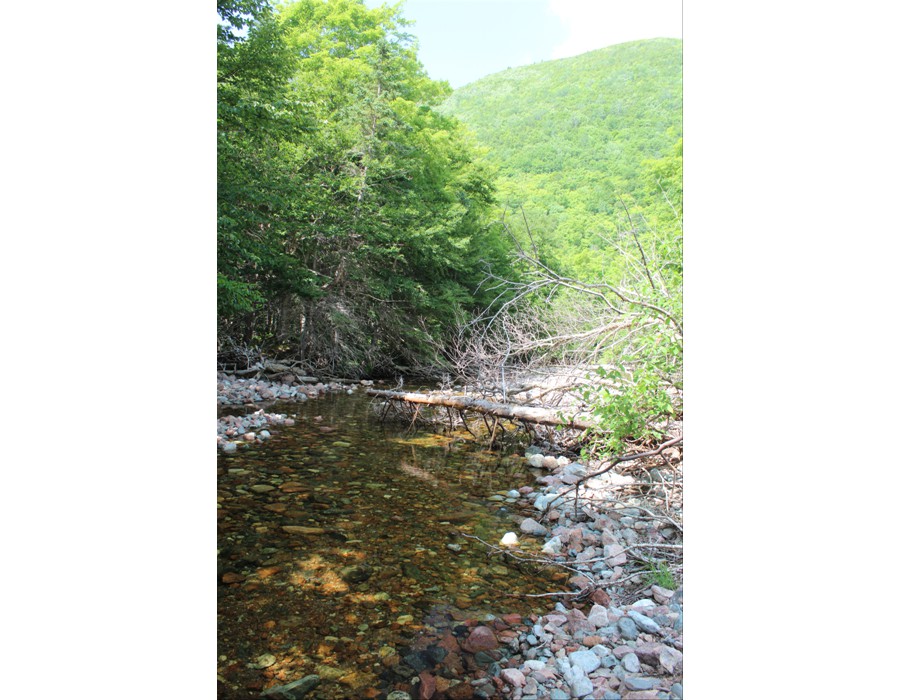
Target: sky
x,y
461,41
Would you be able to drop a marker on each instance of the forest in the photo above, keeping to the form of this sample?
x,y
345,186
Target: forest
x,y
373,223
501,266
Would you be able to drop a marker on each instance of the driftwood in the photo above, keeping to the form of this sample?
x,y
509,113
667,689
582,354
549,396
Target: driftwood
x,y
527,414
274,368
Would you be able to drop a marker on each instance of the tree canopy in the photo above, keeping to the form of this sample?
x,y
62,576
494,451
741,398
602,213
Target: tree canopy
x,y
571,140
354,217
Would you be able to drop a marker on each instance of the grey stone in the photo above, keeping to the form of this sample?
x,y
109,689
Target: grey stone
x,y
611,695
530,526
229,447
645,623
582,687
608,661
614,554
297,689
677,691
552,546
670,659
631,663
641,683
536,460
598,616
629,536
575,469
586,660
628,628
546,500
557,694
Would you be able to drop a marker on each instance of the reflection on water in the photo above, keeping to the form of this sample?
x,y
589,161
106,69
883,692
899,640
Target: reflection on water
x,y
333,547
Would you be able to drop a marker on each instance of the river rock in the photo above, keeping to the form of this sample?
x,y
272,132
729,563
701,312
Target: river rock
x,y
530,526
513,676
581,687
510,539
356,573
661,595
546,500
631,663
587,661
480,639
598,616
536,460
292,691
643,622
427,685
552,546
628,628
641,683
670,659
614,555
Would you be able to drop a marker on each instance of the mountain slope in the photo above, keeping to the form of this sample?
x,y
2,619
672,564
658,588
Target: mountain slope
x,y
570,137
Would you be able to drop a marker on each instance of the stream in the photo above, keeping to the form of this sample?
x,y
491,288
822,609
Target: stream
x,y
342,549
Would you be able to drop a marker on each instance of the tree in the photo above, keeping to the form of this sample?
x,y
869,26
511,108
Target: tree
x,y
354,217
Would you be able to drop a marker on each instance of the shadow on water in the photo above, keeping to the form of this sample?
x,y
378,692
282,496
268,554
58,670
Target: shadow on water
x,y
341,542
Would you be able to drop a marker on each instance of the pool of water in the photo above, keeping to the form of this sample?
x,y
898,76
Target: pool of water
x,y
342,539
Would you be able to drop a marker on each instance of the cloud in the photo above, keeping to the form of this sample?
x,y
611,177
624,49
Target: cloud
x,y
593,24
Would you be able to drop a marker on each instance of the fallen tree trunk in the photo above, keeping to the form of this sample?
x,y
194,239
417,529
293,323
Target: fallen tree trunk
x,y
528,414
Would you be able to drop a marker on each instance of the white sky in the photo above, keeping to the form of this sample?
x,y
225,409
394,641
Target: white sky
x,y
593,24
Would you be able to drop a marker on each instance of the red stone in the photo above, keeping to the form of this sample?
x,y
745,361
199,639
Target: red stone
x,y
463,691
448,642
426,685
600,597
512,619
481,639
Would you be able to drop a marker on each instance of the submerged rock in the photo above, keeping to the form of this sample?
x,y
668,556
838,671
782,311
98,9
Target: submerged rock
x,y
294,690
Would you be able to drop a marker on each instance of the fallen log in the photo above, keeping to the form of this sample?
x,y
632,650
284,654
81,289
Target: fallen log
x,y
528,414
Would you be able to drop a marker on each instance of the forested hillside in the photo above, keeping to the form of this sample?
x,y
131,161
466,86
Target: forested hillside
x,y
354,219
570,139
365,212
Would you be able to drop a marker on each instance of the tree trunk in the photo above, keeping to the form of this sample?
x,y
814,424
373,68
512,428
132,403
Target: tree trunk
x,y
528,414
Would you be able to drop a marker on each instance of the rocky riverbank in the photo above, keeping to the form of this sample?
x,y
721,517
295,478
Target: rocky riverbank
x,y
591,644
234,431
615,631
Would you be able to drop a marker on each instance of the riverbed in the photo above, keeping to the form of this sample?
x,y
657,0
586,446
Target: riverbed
x,y
342,540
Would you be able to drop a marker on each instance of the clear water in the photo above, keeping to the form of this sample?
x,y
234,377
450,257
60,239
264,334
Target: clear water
x,y
364,566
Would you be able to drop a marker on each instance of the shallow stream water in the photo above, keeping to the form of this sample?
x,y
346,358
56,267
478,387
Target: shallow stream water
x,y
333,548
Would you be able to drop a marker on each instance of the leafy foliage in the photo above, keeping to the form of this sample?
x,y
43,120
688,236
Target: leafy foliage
x,y
354,218
569,139
659,574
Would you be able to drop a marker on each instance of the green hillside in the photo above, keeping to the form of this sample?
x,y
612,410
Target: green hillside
x,y
570,140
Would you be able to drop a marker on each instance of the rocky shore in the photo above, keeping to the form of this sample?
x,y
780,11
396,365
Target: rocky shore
x,y
234,431
590,645
613,634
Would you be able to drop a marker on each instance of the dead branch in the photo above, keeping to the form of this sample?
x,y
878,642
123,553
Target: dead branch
x,y
528,414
